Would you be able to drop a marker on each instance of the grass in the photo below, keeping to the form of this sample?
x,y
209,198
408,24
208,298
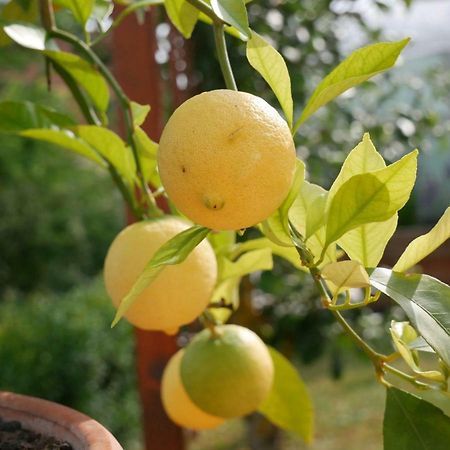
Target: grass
x,y
349,414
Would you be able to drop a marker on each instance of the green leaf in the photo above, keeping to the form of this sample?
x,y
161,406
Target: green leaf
x,y
147,150
276,227
28,36
174,251
139,113
234,13
403,334
111,147
367,242
344,275
272,67
84,74
249,262
19,116
226,291
361,65
362,159
81,9
183,16
413,424
426,302
65,139
288,405
422,246
371,197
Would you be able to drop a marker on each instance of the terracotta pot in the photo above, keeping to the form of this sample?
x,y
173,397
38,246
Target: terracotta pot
x,y
61,422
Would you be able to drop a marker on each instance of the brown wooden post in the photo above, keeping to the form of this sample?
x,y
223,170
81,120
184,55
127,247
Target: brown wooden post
x,y
133,49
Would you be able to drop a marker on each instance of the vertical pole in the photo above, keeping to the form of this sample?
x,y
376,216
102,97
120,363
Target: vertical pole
x,y
133,49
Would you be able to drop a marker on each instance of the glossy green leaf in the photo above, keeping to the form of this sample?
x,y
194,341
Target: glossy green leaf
x,y
422,246
371,197
249,262
139,113
367,242
182,15
426,302
410,423
361,65
288,405
28,36
19,116
81,9
272,67
403,334
65,139
234,13
343,275
84,74
111,147
174,251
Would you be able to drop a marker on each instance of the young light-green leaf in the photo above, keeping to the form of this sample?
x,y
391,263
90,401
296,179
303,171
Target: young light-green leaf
x,y
139,113
65,139
426,302
288,405
410,423
174,251
272,67
343,275
81,9
361,65
251,261
111,147
367,242
422,246
234,13
371,197
183,16
84,74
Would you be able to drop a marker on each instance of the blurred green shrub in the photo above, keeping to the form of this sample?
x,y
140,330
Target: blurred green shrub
x,y
62,348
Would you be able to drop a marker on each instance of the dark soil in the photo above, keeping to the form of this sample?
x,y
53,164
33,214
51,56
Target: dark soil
x,y
14,437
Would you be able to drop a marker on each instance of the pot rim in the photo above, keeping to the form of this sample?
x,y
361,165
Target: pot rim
x,y
60,421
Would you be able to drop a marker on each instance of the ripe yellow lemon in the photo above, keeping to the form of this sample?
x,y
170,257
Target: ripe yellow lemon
x,y
227,375
177,404
226,159
178,294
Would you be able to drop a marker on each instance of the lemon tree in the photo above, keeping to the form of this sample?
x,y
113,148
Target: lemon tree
x,y
226,161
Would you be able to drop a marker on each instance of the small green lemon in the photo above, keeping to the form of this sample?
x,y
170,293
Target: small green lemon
x,y
228,374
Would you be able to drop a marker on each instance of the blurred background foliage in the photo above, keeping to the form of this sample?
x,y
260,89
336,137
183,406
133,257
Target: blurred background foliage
x,y
59,213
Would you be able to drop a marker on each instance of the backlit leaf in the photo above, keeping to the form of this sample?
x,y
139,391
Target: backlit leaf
x,y
139,113
232,12
249,262
426,302
344,275
288,405
371,197
272,67
422,246
81,9
361,65
28,36
174,251
183,16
